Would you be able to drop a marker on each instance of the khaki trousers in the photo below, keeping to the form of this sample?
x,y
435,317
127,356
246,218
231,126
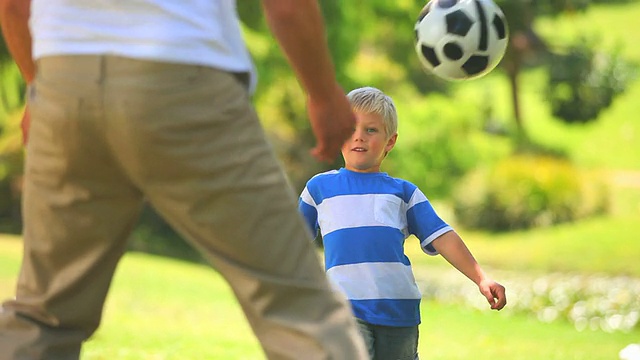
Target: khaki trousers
x,y
108,132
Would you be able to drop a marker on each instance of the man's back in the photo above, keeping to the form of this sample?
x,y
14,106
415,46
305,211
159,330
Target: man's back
x,y
200,32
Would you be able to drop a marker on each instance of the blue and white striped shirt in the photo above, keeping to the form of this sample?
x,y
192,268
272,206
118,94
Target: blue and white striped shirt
x,y
364,219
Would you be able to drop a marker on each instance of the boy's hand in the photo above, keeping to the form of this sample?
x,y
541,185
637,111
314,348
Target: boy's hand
x,y
495,294
332,122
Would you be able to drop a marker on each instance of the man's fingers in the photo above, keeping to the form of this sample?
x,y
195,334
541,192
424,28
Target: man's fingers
x,y
326,152
322,154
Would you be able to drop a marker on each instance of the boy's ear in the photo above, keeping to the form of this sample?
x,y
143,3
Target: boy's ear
x,y
391,142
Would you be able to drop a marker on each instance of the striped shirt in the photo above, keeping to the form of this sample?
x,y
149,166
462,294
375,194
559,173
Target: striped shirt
x,y
364,219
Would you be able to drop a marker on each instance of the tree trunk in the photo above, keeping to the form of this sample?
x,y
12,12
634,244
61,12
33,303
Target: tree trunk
x,y
515,100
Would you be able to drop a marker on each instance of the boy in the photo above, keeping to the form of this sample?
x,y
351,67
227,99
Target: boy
x,y
364,216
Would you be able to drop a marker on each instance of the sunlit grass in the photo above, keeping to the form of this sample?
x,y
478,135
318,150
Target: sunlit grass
x,y
452,333
166,309
603,245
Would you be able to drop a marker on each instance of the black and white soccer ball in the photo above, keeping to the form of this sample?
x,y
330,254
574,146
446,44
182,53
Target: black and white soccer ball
x,y
461,39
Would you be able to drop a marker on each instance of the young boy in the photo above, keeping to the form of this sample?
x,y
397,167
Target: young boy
x,y
364,216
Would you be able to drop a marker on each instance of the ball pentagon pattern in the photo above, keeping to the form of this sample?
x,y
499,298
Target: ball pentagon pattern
x,y
461,39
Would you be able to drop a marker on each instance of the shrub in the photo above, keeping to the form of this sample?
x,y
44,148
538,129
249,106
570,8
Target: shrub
x,y
439,143
153,235
527,191
583,82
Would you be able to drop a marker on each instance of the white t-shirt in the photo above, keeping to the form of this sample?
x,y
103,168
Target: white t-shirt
x,y
199,32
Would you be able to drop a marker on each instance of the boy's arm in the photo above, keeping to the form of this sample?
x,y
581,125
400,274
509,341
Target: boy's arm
x,y
454,250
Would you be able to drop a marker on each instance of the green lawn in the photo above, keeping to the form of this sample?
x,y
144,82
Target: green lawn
x,y
607,245
166,309
603,245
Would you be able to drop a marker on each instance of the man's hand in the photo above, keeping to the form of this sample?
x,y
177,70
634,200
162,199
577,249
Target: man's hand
x,y
332,121
494,292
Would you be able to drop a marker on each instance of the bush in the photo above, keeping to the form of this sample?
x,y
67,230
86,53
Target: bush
x,y
439,143
527,191
153,235
583,82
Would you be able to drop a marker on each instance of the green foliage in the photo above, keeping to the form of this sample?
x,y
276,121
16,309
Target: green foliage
x,y
11,91
583,81
431,150
554,7
153,235
526,191
440,141
250,13
4,51
11,151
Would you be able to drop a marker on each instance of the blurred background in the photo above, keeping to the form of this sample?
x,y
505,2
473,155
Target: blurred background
x,y
537,164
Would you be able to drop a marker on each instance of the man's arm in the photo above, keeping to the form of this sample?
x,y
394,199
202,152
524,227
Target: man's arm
x,y
299,29
454,250
14,21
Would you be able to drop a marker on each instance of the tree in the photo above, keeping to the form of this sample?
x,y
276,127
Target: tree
x,y
569,68
11,152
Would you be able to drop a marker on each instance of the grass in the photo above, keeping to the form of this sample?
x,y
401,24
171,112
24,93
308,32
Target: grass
x,y
453,333
166,309
596,246
603,245
599,245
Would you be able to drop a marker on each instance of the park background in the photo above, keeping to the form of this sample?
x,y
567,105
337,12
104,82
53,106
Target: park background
x,y
537,165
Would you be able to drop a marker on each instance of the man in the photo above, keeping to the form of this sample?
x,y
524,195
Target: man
x,y
150,100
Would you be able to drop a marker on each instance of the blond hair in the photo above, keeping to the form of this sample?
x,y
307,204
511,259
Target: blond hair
x,y
370,100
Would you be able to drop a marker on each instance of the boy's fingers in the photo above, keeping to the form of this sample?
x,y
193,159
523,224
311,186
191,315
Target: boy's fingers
x,y
499,297
495,295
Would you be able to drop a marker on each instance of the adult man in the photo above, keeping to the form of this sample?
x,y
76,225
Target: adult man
x,y
148,99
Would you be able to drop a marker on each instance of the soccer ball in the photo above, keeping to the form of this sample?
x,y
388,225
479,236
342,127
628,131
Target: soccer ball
x,y
461,39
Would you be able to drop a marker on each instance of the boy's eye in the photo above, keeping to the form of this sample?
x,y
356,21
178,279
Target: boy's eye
x,y
372,130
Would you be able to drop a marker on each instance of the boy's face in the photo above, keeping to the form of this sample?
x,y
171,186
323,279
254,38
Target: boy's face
x,y
368,145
